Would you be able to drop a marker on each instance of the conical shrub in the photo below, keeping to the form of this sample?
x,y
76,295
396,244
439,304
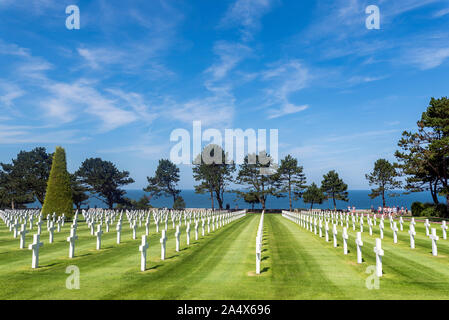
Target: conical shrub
x,y
58,197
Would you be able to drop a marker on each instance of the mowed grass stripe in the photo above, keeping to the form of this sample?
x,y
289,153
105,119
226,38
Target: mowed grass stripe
x,y
307,268
104,273
408,274
213,271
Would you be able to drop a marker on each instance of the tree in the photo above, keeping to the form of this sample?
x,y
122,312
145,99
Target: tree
x,y
334,187
425,154
12,194
28,174
251,198
165,180
384,176
214,170
104,180
258,174
313,195
179,203
58,197
292,178
79,195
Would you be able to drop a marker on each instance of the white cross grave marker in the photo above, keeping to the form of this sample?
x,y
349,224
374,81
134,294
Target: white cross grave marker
x,y
379,254
35,248
143,253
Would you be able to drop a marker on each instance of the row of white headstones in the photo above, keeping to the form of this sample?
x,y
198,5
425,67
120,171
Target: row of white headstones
x,y
259,244
14,218
314,220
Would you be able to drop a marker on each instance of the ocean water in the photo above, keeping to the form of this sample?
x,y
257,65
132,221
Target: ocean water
x,y
357,198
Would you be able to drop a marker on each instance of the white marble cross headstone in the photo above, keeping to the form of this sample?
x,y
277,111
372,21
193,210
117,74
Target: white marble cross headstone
x,y
326,229
427,225
119,231
412,234
16,226
98,235
51,230
134,229
444,228
321,227
39,226
334,232
395,232
401,222
381,228
196,230
379,254
188,233
71,240
163,241
359,243
22,234
434,239
35,248
177,235
345,240
143,253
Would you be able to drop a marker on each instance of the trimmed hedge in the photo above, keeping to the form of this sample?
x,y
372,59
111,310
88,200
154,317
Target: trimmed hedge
x,y
58,197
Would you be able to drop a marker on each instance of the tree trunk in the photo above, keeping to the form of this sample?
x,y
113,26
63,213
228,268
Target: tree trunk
x,y
433,192
212,199
219,199
335,203
383,200
290,195
12,204
311,205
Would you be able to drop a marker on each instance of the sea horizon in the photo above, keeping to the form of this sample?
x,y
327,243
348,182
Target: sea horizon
x,y
358,198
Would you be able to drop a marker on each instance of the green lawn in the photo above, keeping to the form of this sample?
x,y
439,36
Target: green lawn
x,y
296,264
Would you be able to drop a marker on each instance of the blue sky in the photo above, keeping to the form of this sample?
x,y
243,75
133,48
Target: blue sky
x,y
339,94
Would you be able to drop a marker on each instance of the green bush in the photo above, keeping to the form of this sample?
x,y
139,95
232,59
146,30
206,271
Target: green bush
x,y
417,208
58,197
429,212
441,210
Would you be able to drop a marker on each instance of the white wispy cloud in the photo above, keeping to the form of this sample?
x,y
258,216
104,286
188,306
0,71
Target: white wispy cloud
x,y
246,15
9,92
229,55
67,100
441,13
284,78
427,58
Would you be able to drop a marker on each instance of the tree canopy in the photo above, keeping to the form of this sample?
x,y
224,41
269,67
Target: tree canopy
x,y
26,177
165,181
424,157
214,171
259,175
334,187
292,178
58,197
313,195
384,176
104,180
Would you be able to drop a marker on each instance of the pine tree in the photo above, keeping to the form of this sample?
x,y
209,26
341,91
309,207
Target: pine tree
x,y
58,197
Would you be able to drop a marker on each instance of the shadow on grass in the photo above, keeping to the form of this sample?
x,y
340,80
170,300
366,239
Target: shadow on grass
x,y
264,270
154,267
265,258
